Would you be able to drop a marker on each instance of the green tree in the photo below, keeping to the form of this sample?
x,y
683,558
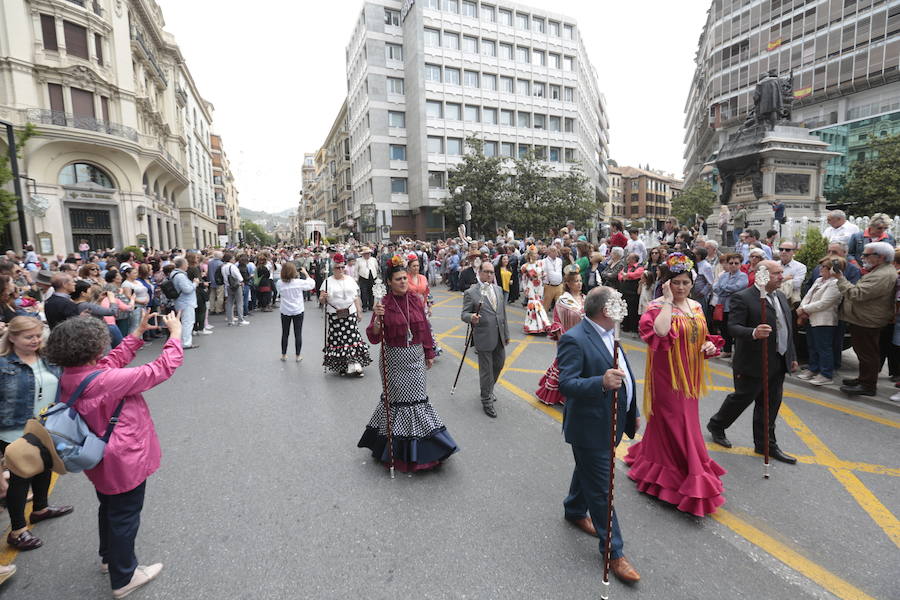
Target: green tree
x,y
8,199
813,247
571,198
698,199
529,196
873,185
255,235
483,186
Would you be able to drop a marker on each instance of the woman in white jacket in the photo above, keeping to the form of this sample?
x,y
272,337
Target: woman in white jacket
x,y
820,307
291,286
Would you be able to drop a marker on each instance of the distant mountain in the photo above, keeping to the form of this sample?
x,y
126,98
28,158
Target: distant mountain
x,y
268,220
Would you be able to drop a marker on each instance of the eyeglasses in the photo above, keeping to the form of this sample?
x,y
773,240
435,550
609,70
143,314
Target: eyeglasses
x,y
785,249
734,263
338,266
865,254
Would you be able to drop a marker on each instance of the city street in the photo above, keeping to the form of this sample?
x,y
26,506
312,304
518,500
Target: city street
x,y
263,493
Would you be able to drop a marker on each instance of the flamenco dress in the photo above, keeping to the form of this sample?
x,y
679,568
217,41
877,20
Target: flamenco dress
x,y
419,286
567,313
671,461
536,319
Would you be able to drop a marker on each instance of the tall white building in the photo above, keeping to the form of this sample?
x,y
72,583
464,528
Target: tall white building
x,y
424,75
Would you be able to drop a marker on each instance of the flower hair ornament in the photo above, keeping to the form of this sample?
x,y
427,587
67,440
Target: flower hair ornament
x,y
396,260
571,269
679,263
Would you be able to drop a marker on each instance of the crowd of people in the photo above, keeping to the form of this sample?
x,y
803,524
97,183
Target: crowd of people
x,y
689,298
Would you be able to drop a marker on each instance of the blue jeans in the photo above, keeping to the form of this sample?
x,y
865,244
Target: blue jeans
x,y
246,299
820,341
588,493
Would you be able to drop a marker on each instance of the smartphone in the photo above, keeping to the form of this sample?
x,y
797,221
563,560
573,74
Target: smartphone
x,y
835,267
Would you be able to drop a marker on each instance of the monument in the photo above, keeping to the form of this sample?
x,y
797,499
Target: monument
x,y
770,158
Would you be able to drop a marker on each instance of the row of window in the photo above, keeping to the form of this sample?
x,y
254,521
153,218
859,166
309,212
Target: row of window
x,y
488,115
493,83
435,38
503,16
76,38
455,147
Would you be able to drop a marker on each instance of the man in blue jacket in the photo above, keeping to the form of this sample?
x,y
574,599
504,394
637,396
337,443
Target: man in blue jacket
x,y
587,379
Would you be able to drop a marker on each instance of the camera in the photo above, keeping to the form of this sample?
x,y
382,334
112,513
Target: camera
x,y
835,267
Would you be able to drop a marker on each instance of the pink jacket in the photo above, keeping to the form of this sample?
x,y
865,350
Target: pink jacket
x,y
133,452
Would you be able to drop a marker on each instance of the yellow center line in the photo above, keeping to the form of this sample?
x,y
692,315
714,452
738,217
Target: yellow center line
x,y
879,513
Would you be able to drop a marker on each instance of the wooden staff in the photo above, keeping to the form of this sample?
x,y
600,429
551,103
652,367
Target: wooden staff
x,y
470,336
762,279
325,313
379,292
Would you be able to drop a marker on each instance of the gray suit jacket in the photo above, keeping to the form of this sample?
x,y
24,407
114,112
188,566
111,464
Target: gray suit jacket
x,y
492,327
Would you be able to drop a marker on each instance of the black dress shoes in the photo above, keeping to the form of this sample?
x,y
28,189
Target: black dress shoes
x,y
857,390
489,410
850,381
776,453
718,436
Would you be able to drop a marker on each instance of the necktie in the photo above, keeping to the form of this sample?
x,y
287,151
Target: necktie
x,y
781,325
487,290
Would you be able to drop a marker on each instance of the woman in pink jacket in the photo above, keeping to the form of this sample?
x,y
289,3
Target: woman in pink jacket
x,y
132,454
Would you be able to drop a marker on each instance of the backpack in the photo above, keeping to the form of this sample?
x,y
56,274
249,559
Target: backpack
x,y
233,281
217,276
78,447
169,289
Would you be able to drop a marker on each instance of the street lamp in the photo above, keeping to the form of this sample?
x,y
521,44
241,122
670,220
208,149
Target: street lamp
x,y
17,185
465,210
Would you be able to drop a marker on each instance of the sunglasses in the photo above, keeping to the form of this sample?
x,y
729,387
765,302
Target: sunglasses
x,y
785,249
734,263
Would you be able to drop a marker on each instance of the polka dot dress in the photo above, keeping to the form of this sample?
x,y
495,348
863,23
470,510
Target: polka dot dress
x,y
345,345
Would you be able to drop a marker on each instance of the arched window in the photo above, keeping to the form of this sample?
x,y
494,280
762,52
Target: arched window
x,y
156,189
146,184
84,173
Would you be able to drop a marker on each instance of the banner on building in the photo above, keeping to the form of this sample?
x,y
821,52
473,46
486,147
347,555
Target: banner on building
x,y
774,44
802,93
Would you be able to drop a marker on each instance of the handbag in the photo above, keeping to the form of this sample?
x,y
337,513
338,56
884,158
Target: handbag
x,y
719,312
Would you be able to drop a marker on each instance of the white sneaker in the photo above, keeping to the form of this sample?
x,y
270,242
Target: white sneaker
x,y
820,380
244,322
805,374
896,397
204,332
7,571
142,575
210,327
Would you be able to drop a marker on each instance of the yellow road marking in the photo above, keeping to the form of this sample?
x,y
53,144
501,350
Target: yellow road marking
x,y
8,555
883,517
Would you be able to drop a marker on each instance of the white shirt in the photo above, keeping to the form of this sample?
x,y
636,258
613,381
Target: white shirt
x,y
365,266
341,294
608,336
291,294
840,234
636,247
798,270
552,270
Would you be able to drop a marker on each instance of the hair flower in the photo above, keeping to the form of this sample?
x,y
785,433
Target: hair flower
x,y
679,263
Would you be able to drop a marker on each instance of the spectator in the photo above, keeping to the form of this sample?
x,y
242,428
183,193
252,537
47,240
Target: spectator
x,y
739,222
733,280
877,231
724,222
216,285
778,209
59,306
794,271
186,302
234,297
636,246
869,308
617,238
629,280
669,235
291,288
820,308
839,228
552,278
751,240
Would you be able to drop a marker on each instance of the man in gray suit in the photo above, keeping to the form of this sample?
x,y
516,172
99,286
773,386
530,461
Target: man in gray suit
x,y
489,330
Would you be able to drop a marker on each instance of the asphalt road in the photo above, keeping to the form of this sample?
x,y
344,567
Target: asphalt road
x,y
263,493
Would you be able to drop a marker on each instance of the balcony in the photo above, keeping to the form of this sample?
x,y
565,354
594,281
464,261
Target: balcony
x,y
94,6
139,43
54,117
181,94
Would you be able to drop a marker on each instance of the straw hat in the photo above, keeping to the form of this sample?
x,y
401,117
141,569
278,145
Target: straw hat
x,y
24,458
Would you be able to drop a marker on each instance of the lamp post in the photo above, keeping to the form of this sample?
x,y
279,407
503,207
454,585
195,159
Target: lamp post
x,y
17,185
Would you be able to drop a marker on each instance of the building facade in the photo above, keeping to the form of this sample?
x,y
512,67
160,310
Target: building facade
x,y
110,98
614,208
423,76
647,195
844,57
228,218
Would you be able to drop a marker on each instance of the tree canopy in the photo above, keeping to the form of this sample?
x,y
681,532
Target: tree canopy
x,y
873,184
698,199
255,235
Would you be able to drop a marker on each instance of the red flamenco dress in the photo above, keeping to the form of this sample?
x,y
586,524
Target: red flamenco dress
x,y
671,461
568,313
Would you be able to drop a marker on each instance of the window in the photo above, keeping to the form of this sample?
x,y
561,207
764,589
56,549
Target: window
x,y
489,81
84,173
472,114
506,51
98,48
451,40
396,119
489,47
435,179
434,109
488,13
398,185
393,51
398,152
555,61
540,152
435,4
395,85
451,75
507,149
451,6
490,149
505,17
432,38
432,72
568,63
523,87
471,79
569,95
523,55
554,92
507,84
507,117
538,25
470,9
554,28
435,144
570,155
538,58
76,40
454,146
523,119
554,155
489,116
555,124
540,89
523,150
391,17
522,22
540,121
470,44
48,32
453,111
568,32
82,104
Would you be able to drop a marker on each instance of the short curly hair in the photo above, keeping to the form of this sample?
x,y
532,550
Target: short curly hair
x,y
77,341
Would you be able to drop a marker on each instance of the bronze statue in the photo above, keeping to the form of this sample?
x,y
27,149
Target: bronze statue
x,y
768,100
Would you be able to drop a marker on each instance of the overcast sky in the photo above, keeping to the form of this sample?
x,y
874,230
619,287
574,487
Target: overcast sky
x,y
275,72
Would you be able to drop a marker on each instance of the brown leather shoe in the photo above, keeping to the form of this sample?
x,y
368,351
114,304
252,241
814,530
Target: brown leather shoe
x,y
623,569
51,512
585,524
24,541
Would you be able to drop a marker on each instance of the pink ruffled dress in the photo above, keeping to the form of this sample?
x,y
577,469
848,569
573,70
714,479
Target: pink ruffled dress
x,y
671,461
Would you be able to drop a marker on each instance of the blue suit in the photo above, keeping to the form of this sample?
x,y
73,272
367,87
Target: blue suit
x,y
583,358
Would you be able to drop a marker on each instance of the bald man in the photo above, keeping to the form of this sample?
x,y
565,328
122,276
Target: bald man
x,y
749,332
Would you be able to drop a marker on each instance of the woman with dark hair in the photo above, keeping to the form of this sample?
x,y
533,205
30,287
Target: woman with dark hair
x,y
629,280
86,297
567,313
291,287
418,284
503,275
264,284
8,293
671,461
420,439
125,303
133,452
345,350
28,385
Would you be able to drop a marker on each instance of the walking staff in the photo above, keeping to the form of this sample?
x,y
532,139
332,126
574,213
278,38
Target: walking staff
x,y
469,340
762,279
380,291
